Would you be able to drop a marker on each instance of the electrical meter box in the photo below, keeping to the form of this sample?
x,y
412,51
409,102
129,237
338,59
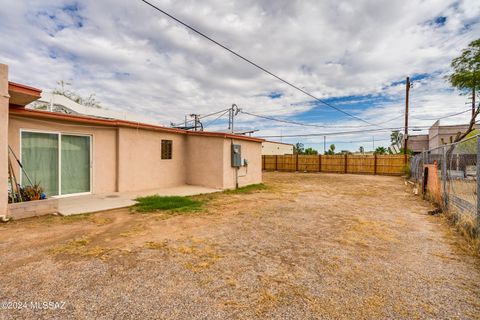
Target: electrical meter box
x,y
236,155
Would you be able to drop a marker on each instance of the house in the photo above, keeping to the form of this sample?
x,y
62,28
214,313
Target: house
x,y
437,136
276,148
75,154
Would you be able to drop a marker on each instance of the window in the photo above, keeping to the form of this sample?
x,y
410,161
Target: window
x,y
166,149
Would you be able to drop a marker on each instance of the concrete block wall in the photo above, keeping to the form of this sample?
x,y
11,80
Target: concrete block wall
x,y
29,209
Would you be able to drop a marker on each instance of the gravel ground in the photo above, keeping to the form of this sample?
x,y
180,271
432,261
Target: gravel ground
x,y
311,246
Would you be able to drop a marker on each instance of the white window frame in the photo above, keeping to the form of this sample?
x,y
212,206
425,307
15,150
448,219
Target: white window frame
x,y
59,134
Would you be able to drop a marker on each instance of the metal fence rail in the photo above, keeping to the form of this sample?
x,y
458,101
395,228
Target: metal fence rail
x,y
457,166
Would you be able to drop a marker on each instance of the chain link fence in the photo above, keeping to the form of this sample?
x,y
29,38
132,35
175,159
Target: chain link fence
x,y
455,183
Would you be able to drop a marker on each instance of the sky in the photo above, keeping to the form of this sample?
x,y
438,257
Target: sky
x,y
354,55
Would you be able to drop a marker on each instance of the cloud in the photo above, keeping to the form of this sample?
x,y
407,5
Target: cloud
x,y
137,60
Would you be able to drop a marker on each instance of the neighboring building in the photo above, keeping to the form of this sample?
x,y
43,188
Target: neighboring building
x,y
437,136
73,155
417,143
276,148
440,135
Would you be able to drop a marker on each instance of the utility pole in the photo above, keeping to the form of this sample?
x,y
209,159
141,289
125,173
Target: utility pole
x,y
473,95
234,110
324,144
374,143
196,120
407,92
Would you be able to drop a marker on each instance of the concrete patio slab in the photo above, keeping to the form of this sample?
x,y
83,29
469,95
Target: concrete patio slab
x,y
101,202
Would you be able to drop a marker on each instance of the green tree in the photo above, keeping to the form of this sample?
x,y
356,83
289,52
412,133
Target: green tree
x,y
361,149
469,146
310,151
331,150
298,148
466,78
381,150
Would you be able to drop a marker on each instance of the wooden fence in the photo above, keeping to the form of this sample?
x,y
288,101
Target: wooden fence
x,y
361,164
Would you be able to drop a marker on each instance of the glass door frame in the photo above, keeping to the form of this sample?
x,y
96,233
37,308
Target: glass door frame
x,y
59,134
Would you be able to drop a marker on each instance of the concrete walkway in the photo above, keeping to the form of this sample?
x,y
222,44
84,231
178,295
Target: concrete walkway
x,y
100,202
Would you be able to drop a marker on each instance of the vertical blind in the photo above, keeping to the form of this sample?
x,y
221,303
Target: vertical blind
x,y
75,164
42,163
40,160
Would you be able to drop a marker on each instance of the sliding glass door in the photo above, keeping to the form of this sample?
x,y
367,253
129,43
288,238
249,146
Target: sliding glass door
x,y
40,160
60,163
75,161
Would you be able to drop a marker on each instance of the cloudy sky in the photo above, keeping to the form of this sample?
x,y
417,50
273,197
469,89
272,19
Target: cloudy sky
x,y
353,54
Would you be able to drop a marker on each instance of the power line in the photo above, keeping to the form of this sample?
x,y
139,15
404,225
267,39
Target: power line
x,y
224,113
339,142
339,133
253,63
447,116
199,118
312,124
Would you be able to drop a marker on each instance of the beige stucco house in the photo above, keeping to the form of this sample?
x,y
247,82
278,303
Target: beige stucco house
x,y
75,155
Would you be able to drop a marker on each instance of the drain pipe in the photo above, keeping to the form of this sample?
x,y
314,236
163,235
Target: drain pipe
x,y
236,178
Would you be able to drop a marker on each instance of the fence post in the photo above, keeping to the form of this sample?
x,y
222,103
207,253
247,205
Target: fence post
x,y
374,163
478,179
296,163
319,163
444,177
276,162
345,163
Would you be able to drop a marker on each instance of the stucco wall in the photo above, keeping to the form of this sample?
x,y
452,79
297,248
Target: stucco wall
x,y
103,141
433,183
205,159
417,143
274,148
129,159
3,138
252,152
141,164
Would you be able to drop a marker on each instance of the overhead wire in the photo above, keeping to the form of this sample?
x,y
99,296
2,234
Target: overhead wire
x,y
253,63
206,125
339,132
444,117
312,124
199,118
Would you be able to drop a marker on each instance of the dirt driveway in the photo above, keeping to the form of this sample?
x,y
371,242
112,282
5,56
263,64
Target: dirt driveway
x,y
309,246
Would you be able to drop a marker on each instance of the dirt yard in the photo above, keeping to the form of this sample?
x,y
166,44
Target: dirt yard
x,y
321,246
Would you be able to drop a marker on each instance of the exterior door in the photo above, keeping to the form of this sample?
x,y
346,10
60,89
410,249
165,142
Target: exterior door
x,y
75,160
60,163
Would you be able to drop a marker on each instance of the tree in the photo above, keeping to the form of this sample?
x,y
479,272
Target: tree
x,y
310,151
89,101
381,150
331,150
396,138
361,149
469,146
298,148
466,78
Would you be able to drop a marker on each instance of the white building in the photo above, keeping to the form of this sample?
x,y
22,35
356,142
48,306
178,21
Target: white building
x,y
276,148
